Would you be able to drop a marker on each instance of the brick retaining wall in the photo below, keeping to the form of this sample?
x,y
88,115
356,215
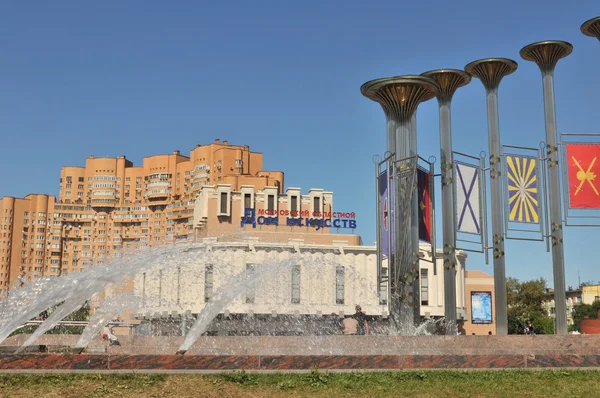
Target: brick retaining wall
x,y
305,352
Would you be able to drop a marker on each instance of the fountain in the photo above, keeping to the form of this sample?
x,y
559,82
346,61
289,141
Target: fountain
x,y
387,349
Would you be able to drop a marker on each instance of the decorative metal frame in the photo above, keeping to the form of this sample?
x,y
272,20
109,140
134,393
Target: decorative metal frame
x,y
573,217
429,169
379,162
391,167
532,234
404,177
463,237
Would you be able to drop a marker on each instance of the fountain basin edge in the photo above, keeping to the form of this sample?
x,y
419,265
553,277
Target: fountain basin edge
x,y
306,352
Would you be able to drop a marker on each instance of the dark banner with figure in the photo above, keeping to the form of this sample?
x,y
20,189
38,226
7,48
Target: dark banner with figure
x,y
387,200
424,206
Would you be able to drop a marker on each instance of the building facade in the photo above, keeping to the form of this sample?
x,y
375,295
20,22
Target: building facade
x,y
586,294
302,281
25,238
478,283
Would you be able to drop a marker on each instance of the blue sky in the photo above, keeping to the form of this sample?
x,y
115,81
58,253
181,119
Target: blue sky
x,y
140,78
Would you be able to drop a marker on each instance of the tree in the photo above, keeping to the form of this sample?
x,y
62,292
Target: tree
x,y
81,314
582,310
526,302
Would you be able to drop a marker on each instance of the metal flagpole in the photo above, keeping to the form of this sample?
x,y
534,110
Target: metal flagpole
x,y
391,255
491,71
376,160
399,97
414,228
449,81
546,55
591,28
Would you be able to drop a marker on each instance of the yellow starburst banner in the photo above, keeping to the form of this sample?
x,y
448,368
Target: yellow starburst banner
x,y
523,189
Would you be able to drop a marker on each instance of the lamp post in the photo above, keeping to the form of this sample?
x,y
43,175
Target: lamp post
x,y
449,81
399,98
546,54
591,28
491,71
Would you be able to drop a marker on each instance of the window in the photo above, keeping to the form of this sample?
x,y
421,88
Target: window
x,y
224,203
143,289
317,204
383,288
247,201
160,279
294,203
208,282
271,202
250,285
339,285
296,284
424,287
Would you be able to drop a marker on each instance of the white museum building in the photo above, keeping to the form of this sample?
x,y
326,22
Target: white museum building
x,y
268,283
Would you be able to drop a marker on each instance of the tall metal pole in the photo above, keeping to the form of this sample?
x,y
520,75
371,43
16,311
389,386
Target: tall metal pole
x,y
449,81
491,71
414,229
591,28
378,216
399,98
546,55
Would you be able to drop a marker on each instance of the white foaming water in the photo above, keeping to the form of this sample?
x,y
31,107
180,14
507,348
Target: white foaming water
x,y
233,287
33,298
53,320
268,273
109,309
82,286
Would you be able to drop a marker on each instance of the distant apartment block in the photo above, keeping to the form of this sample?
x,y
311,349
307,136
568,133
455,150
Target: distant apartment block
x,y
110,204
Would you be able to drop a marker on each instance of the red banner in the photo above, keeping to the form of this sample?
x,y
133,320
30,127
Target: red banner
x,y
424,206
583,168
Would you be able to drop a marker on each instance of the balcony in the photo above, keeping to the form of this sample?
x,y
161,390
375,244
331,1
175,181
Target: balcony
x,y
159,183
103,202
157,193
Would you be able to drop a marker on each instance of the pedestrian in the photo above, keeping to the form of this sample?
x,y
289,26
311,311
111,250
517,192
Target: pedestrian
x,y
112,339
350,325
529,329
332,325
361,318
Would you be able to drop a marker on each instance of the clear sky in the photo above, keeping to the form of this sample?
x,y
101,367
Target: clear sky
x,y
147,77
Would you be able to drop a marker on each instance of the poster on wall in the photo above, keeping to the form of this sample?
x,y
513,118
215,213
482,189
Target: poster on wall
x,y
481,307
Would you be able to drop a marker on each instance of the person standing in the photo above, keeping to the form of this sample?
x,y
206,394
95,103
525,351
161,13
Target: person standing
x,y
529,329
361,318
332,325
350,325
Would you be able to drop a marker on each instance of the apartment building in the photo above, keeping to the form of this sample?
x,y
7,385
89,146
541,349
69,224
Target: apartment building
x,y
25,238
110,204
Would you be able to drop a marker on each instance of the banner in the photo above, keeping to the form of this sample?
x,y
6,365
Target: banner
x,y
583,168
468,199
387,212
523,193
424,206
481,307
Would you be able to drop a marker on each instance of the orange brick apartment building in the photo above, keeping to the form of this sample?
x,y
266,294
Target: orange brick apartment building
x,y
110,205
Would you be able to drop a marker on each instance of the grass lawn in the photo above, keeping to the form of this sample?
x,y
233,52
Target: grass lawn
x,y
547,383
